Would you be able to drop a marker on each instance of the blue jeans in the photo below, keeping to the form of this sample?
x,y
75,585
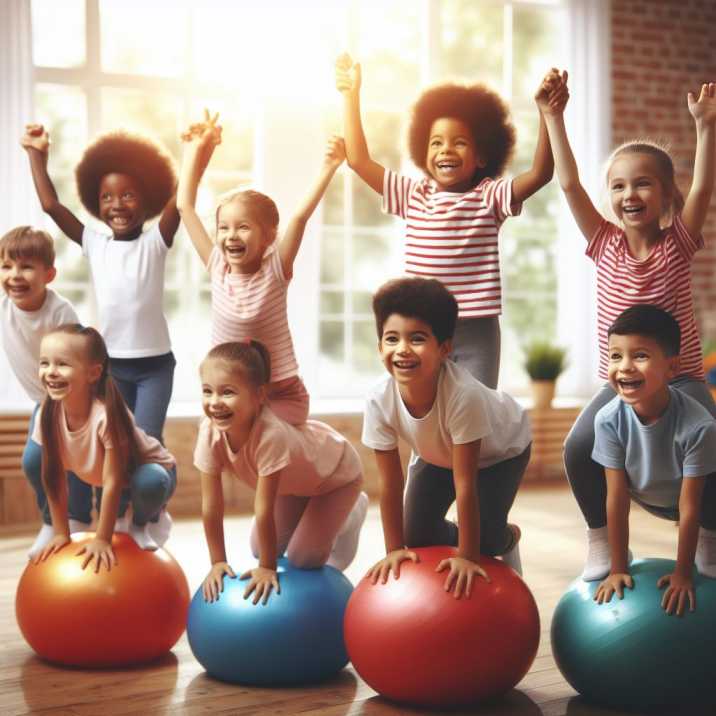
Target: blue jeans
x,y
79,501
146,386
150,487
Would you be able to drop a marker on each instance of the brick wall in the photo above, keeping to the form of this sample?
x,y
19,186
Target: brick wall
x,y
662,49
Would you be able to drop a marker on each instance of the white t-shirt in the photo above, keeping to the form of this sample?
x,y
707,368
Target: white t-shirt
x,y
464,410
128,279
22,332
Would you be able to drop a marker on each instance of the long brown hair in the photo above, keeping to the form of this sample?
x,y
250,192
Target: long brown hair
x,y
119,419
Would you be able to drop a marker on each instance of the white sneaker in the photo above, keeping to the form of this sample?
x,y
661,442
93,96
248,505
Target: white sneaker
x,y
43,538
512,557
345,545
77,526
705,559
160,530
599,559
140,534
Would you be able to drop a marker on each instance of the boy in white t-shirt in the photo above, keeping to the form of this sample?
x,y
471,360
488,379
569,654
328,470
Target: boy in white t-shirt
x,y
478,439
28,310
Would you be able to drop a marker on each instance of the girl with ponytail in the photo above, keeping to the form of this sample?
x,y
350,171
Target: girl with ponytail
x,y
85,426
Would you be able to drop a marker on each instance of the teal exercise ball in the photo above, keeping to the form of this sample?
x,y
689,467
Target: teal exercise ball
x,y
629,653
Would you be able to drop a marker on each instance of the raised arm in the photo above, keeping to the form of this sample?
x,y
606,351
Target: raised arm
x,y
169,221
697,202
36,142
541,171
551,100
199,144
348,82
291,241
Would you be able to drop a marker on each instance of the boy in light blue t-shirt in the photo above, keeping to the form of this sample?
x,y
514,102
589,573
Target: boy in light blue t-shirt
x,y
658,447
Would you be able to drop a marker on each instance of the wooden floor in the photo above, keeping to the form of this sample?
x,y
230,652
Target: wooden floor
x,y
552,552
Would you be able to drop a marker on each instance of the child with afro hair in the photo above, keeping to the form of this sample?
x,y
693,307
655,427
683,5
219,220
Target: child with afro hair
x,y
123,180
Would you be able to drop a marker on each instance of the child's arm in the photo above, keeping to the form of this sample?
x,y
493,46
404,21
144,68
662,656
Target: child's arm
x,y
212,515
464,567
60,524
264,577
697,202
100,548
169,221
551,101
291,241
391,515
36,142
679,585
618,532
348,81
200,142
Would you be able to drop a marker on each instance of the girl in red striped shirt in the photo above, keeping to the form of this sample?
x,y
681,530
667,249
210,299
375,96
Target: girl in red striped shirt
x,y
645,257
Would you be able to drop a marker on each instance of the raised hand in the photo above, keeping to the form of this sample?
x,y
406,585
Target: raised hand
x,y
348,75
552,95
36,137
335,151
206,133
703,109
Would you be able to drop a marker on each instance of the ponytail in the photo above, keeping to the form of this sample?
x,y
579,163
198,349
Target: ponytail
x,y
251,357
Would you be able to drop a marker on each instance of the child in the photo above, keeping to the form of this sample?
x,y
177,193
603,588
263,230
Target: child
x,y
123,180
85,426
28,310
307,478
477,439
657,446
462,138
250,270
645,259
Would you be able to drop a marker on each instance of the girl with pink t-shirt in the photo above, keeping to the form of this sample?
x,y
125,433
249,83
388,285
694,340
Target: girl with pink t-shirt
x,y
84,426
643,257
307,477
250,269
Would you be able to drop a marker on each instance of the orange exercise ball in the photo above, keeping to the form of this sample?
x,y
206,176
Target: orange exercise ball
x,y
134,613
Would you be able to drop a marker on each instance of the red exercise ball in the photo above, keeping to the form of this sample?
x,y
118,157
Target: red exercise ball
x,y
134,613
415,643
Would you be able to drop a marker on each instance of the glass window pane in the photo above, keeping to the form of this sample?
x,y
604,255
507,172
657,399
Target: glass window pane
x,y
332,257
366,358
58,33
332,302
383,135
157,32
367,210
363,302
333,209
373,259
236,151
332,339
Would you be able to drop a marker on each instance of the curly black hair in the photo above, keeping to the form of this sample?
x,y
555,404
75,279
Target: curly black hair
x,y
482,110
122,152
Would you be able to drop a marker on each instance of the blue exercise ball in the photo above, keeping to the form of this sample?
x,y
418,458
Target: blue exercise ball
x,y
295,638
629,653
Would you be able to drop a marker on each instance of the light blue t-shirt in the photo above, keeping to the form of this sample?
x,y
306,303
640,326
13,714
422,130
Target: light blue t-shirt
x,y
681,443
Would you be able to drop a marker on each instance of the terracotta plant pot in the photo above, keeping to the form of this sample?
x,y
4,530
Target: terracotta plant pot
x,y
543,393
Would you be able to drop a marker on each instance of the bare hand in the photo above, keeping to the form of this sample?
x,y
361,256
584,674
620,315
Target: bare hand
x,y
552,95
101,551
204,134
262,580
613,583
703,109
214,582
391,561
461,575
54,545
678,590
348,75
335,151
36,137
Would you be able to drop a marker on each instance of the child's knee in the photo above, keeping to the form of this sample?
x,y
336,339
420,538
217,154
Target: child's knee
x,y
151,485
307,557
32,462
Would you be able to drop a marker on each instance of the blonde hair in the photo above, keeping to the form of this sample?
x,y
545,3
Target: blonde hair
x,y
264,207
664,169
119,420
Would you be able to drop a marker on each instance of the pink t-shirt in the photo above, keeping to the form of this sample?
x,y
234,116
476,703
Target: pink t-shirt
x,y
312,457
663,279
452,236
253,306
82,451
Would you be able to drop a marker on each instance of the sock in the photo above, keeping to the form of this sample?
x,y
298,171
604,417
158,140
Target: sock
x,y
345,545
122,524
77,526
43,538
140,534
160,530
599,559
512,557
705,559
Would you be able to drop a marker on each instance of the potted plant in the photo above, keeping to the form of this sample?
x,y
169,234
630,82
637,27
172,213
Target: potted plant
x,y
544,362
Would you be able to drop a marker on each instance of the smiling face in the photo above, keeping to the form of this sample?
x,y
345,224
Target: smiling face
x,y
121,205
636,192
639,372
229,400
452,157
25,281
241,237
65,370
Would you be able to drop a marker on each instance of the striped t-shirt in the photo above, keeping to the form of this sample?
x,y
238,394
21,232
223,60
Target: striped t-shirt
x,y
253,306
663,279
452,236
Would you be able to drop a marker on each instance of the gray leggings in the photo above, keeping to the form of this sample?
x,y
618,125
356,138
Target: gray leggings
x,y
586,477
431,491
476,347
